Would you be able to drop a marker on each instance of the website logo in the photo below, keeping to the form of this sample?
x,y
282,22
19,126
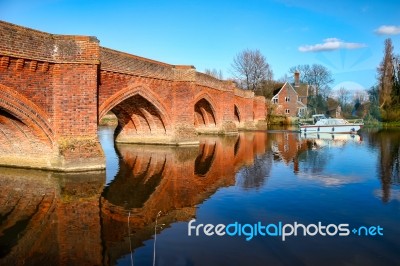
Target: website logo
x,y
280,229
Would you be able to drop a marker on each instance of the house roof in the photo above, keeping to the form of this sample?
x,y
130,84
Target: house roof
x,y
301,105
302,90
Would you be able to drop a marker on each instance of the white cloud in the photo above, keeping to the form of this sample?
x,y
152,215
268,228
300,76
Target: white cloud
x,y
331,44
388,30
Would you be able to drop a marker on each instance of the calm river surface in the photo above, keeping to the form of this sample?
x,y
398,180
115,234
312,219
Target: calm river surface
x,y
277,178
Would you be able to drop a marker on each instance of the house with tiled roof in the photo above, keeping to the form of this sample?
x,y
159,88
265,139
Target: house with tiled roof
x,y
292,99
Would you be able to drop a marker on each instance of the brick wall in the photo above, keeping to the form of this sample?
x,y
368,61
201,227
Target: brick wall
x,y
283,105
53,79
21,42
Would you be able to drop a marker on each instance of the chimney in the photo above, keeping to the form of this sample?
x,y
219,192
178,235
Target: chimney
x,y
296,79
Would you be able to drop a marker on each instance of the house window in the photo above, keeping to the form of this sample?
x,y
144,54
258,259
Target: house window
x,y
275,100
287,99
287,111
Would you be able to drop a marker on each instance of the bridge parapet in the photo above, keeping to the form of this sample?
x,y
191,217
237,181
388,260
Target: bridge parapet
x,y
124,63
211,82
184,73
25,43
244,93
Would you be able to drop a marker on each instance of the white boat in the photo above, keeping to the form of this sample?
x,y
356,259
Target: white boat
x,y
322,124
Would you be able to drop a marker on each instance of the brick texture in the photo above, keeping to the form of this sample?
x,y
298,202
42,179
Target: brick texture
x,y
287,101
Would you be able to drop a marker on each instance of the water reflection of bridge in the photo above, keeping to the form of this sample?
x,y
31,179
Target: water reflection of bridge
x,y
49,218
171,180
58,219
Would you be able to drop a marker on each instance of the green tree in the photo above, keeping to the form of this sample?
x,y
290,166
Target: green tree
x,y
317,104
374,111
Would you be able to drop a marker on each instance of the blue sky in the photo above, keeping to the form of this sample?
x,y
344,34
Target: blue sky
x,y
342,35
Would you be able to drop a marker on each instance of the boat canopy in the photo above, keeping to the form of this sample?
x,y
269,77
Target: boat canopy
x,y
331,122
318,117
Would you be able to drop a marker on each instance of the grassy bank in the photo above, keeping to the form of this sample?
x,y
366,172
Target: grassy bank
x,y
282,120
394,124
109,120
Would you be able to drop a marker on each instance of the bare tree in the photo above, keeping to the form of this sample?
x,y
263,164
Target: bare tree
x,y
285,78
386,77
250,68
360,96
316,75
343,96
214,73
305,73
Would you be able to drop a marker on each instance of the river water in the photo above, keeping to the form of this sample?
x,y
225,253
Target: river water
x,y
138,211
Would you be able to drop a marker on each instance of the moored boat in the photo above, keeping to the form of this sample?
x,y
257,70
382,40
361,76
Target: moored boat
x,y
322,124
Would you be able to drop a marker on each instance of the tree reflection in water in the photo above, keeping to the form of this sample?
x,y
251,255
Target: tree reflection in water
x,y
387,143
256,175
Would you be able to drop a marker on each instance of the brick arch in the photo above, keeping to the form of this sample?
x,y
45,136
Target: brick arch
x,y
139,111
204,111
24,116
131,91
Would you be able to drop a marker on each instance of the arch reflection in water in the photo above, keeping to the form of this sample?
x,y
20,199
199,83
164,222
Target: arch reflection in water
x,y
50,218
172,180
205,159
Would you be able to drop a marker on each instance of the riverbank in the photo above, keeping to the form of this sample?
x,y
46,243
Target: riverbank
x,y
372,124
282,120
109,120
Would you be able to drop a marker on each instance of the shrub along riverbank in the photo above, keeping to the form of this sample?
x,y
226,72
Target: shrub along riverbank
x,y
371,124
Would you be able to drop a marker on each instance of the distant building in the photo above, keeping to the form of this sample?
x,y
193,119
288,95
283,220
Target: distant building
x,y
291,101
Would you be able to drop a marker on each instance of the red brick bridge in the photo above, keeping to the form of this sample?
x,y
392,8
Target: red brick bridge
x,y
54,89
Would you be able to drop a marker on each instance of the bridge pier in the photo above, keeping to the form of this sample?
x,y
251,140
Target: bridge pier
x,y
48,100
